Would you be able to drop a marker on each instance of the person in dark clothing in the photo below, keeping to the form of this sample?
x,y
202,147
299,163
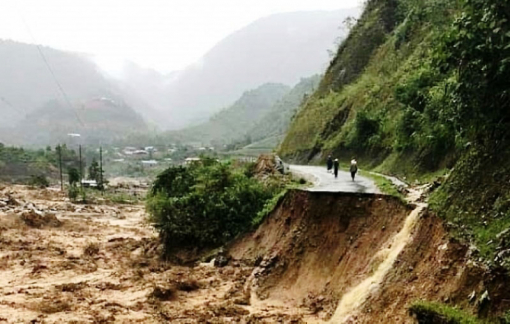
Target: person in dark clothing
x,y
329,163
353,168
335,167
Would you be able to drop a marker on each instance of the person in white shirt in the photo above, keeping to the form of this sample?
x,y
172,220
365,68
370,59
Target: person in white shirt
x,y
353,168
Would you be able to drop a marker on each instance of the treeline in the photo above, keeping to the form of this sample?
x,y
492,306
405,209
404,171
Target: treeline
x,y
42,167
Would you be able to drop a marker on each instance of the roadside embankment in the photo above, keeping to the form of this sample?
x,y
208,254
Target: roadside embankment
x,y
368,253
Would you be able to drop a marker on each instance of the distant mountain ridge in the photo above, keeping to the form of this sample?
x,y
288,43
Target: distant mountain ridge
x,y
280,48
30,97
231,124
261,113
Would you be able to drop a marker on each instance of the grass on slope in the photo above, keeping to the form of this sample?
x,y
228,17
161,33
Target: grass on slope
x,y
379,114
432,312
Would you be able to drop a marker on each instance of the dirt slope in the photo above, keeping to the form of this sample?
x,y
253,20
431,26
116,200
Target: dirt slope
x,y
316,247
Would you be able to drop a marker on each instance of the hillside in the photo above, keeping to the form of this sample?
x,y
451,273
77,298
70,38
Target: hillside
x,y
420,89
277,120
27,89
231,124
381,95
98,120
280,48
260,115
26,83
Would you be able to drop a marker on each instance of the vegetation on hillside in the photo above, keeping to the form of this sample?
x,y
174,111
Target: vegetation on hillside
x,y
232,123
260,117
277,120
430,312
100,120
34,167
427,94
387,103
206,204
476,50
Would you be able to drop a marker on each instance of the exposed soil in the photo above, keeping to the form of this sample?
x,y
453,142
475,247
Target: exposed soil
x,y
317,248
64,262
100,264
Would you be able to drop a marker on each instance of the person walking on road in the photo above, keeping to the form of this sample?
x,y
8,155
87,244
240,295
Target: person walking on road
x,y
353,168
335,167
329,163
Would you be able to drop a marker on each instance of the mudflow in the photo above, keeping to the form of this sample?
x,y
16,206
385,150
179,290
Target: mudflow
x,y
318,257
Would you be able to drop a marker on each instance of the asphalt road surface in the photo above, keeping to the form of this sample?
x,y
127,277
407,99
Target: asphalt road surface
x,y
324,181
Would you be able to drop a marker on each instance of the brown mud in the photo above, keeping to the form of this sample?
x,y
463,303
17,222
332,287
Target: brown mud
x,y
100,264
62,262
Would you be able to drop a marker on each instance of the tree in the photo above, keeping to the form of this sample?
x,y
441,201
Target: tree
x,y
477,51
204,205
74,176
94,171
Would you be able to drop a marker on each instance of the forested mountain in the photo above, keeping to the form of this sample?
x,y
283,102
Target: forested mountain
x,y
277,120
34,109
231,124
99,120
258,114
420,88
280,48
27,84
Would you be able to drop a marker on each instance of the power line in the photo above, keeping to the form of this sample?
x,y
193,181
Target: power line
x,y
5,101
64,94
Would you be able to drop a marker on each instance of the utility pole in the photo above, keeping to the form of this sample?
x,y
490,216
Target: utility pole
x,y
81,171
101,167
60,167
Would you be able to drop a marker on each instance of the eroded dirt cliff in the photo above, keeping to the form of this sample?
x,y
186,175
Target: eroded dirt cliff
x,y
316,250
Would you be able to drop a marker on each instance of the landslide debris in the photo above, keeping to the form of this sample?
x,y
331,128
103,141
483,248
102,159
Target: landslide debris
x,y
35,218
100,267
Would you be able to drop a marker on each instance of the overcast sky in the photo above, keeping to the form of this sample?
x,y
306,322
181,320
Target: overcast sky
x,y
166,35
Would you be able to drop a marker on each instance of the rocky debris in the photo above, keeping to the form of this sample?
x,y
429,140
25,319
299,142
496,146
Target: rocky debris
x,y
162,293
187,285
35,218
314,303
220,261
91,250
71,287
268,164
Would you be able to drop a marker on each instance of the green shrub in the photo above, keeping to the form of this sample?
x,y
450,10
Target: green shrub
x,y
432,312
204,205
73,192
366,132
39,181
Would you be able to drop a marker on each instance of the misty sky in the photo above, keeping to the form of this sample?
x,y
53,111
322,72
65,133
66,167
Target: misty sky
x,y
166,35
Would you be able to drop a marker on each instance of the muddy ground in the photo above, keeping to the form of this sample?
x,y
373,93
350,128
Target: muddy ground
x,y
99,263
62,262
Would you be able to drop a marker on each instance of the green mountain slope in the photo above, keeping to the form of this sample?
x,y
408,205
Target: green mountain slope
x,y
231,124
99,120
30,97
363,103
277,120
260,115
420,88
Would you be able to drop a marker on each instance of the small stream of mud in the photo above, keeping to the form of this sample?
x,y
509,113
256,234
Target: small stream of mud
x,y
354,299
